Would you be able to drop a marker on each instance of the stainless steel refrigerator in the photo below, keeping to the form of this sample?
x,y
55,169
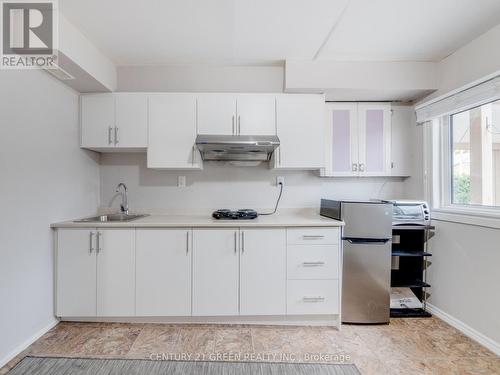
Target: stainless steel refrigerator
x,y
366,237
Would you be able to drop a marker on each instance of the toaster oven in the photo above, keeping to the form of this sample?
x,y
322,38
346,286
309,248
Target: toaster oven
x,y
409,212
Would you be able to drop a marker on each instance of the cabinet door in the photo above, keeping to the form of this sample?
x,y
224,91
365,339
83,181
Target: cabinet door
x,y
217,114
404,133
116,272
256,114
215,272
76,273
172,132
97,120
263,272
374,132
342,139
131,121
163,272
300,126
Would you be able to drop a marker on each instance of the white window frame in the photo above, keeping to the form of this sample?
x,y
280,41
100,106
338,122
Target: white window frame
x,y
438,180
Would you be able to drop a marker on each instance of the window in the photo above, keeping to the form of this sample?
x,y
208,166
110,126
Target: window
x,y
475,156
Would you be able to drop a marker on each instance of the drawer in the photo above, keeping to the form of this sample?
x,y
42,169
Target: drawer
x,y
306,297
311,236
313,262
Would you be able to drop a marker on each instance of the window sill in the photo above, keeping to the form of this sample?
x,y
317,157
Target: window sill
x,y
481,218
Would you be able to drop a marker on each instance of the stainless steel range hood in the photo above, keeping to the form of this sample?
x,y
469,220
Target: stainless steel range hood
x,y
237,147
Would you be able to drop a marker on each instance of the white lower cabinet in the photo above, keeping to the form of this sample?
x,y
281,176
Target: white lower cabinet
x,y
263,272
215,272
125,272
306,297
116,272
76,272
163,272
96,272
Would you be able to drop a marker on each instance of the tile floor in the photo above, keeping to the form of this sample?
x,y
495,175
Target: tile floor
x,y
406,346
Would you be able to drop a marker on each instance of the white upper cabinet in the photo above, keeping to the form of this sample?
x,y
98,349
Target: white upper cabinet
x,y
172,132
358,139
256,114
114,121
404,133
163,272
263,271
97,121
342,138
374,139
215,272
217,114
301,130
131,120
237,114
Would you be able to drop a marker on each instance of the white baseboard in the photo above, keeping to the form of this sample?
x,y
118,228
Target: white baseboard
x,y
10,356
465,329
309,320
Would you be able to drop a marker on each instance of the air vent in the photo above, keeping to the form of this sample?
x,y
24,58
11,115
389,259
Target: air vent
x,y
60,74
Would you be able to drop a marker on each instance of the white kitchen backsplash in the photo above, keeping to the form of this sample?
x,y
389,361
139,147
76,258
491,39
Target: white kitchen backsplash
x,y
220,186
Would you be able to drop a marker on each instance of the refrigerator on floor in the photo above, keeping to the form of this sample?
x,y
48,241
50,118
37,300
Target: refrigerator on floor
x,y
366,239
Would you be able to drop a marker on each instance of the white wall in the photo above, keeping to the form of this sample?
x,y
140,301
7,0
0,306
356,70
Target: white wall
x,y
464,275
201,78
472,62
464,271
229,187
45,178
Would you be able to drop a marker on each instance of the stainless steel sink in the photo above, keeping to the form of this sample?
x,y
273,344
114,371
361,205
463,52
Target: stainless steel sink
x,y
109,218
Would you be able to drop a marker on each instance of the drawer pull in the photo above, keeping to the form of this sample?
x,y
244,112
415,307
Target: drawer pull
x,y
311,237
313,264
313,299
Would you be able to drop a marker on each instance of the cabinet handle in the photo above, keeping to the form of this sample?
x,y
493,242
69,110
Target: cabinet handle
x,y
239,125
312,237
233,125
242,242
116,135
313,299
313,264
361,167
354,167
110,129
187,242
235,243
91,245
279,155
98,242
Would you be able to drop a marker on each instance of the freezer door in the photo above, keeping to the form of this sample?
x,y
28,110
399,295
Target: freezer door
x,y
367,220
366,282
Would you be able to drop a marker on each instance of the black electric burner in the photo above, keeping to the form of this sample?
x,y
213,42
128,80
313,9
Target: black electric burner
x,y
235,215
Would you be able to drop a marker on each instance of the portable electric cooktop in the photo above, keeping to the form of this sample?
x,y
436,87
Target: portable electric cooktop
x,y
245,214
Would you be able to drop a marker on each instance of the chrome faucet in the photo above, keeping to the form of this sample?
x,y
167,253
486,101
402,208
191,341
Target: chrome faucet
x,y
124,205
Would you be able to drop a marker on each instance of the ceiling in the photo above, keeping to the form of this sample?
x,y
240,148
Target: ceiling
x,y
159,32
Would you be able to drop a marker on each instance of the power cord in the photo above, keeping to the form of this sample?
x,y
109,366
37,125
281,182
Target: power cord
x,y
277,201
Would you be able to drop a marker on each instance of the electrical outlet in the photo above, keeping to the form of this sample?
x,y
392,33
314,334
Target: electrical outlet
x,y
280,180
181,181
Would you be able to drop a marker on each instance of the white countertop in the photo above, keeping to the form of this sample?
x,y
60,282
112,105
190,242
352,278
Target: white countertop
x,y
283,218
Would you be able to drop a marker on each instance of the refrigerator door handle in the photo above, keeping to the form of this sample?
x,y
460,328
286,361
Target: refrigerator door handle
x,y
361,241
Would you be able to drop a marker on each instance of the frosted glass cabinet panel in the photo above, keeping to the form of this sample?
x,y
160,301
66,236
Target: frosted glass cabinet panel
x,y
374,139
342,135
358,139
